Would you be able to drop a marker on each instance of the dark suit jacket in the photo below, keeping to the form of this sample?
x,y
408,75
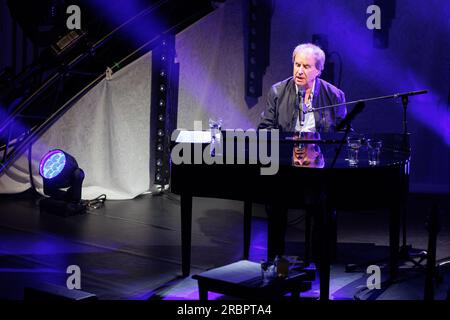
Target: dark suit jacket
x,y
282,107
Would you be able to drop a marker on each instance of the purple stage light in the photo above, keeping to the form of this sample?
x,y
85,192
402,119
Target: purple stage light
x,y
59,170
52,164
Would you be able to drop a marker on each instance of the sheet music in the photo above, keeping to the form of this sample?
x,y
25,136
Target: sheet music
x,y
186,136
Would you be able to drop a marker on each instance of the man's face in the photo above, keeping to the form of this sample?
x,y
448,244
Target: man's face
x,y
305,71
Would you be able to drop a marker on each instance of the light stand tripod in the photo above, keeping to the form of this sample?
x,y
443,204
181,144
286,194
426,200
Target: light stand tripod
x,y
405,249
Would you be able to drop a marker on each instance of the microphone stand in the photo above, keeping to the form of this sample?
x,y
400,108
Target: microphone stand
x,y
341,143
347,123
404,249
405,101
403,95
301,102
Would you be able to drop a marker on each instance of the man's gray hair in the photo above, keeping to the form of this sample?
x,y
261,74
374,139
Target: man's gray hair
x,y
318,54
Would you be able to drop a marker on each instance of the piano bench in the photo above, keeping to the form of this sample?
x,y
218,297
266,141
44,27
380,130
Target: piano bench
x,y
243,279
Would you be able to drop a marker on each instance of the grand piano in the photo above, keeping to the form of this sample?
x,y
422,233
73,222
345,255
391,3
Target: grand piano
x,y
329,181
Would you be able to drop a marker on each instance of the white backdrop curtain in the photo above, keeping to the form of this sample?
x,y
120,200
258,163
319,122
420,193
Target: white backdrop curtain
x,y
107,131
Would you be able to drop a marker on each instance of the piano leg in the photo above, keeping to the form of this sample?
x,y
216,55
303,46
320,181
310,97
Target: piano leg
x,y
308,215
324,247
186,230
276,229
394,239
247,227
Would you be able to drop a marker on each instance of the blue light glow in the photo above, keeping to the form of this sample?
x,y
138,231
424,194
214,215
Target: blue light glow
x,y
52,164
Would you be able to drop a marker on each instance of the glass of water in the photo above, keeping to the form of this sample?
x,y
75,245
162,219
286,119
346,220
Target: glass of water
x,y
353,145
374,150
268,272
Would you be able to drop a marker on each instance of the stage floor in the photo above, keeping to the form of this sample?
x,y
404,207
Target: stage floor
x,y
130,250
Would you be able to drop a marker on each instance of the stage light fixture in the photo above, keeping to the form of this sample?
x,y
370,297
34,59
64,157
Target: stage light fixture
x,y
62,179
164,101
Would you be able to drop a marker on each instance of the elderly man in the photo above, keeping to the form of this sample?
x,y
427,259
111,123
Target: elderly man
x,y
303,91
282,109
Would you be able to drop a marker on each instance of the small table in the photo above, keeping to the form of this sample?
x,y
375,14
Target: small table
x,y
243,279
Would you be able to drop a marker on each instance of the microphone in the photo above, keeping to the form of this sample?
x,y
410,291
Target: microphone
x,y
349,118
301,103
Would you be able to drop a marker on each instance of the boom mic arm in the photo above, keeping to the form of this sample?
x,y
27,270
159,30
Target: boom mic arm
x,y
350,116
